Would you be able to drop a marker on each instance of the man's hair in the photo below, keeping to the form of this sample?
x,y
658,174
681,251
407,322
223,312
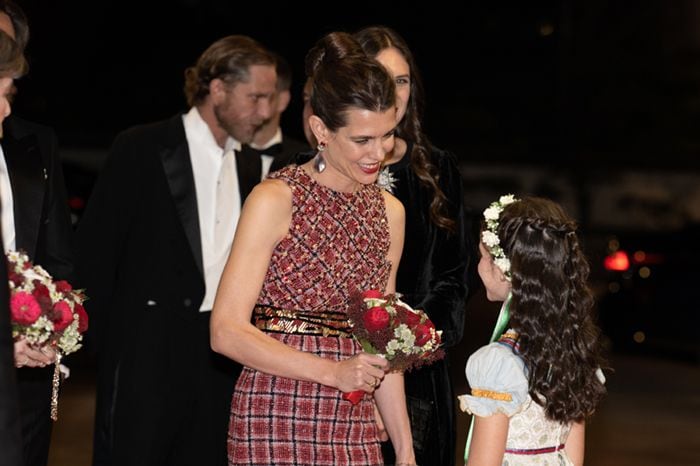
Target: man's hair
x,y
12,62
19,22
284,74
228,59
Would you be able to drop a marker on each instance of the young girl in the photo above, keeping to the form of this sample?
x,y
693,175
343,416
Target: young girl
x,y
533,389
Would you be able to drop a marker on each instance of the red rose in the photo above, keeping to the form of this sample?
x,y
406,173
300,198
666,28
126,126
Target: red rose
x,y
40,290
63,286
376,318
62,315
372,294
409,317
423,334
41,294
24,309
82,317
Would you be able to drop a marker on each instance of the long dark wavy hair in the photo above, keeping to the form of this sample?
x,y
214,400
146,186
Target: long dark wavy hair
x,y
373,40
552,308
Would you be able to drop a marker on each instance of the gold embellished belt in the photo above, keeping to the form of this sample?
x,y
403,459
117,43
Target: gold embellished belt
x,y
327,324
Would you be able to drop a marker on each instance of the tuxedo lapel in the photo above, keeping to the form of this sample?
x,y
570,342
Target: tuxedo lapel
x,y
178,170
28,181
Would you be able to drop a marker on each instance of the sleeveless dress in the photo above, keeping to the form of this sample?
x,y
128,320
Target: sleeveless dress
x,y
499,383
336,247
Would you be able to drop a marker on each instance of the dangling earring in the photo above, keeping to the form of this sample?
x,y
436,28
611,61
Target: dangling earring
x,y
319,163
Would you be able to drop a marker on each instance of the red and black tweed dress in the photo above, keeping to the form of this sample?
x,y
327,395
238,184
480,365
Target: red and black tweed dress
x,y
336,246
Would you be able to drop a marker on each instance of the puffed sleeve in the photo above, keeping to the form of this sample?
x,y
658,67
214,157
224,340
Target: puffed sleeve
x,y
498,381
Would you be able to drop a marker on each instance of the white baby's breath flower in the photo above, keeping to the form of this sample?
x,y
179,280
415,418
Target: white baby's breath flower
x,y
489,236
506,199
392,347
502,263
492,213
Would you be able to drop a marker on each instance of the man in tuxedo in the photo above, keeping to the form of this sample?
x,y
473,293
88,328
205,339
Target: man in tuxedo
x,y
152,244
11,64
35,219
269,146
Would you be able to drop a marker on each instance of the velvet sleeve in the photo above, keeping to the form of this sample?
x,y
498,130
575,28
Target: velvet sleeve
x,y
447,288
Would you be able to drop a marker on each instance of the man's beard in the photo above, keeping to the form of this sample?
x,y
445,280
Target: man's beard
x,y
231,129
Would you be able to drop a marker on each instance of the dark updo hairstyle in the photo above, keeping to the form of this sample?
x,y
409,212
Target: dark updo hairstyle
x,y
374,40
343,77
228,59
552,308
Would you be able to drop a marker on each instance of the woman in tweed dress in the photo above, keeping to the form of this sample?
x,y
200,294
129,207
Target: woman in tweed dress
x,y
308,241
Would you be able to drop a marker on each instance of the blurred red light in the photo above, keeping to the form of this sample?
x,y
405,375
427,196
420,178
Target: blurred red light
x,y
618,261
76,203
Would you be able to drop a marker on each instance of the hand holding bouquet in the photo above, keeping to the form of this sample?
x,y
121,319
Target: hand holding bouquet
x,y
387,326
44,313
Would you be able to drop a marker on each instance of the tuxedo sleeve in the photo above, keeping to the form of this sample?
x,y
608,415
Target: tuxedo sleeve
x,y
445,299
58,232
101,232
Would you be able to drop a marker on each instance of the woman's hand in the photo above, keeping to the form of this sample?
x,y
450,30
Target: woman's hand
x,y
30,356
361,372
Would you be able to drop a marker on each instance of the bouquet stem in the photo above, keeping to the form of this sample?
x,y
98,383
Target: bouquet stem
x,y
54,388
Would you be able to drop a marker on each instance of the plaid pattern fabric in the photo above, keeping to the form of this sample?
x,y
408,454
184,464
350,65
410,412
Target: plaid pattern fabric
x,y
281,421
337,246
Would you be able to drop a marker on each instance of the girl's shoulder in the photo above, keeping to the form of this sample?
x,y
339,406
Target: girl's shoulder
x,y
498,381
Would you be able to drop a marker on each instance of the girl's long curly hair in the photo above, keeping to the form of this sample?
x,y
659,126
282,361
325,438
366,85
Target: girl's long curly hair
x,y
373,40
552,308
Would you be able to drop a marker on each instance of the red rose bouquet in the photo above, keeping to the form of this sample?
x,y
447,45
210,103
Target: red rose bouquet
x,y
387,326
45,312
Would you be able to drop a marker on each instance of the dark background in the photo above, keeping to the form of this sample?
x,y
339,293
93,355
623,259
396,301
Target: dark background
x,y
570,94
571,83
594,103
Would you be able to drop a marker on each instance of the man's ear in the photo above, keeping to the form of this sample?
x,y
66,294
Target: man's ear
x,y
283,98
319,128
217,90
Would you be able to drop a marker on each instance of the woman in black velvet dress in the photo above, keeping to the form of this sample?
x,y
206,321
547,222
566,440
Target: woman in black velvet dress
x,y
433,266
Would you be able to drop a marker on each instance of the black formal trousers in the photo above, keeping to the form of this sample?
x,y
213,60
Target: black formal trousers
x,y
43,230
163,395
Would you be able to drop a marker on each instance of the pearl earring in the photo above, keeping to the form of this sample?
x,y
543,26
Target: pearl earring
x,y
319,163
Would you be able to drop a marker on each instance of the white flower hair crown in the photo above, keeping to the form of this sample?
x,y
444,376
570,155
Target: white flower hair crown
x,y
490,235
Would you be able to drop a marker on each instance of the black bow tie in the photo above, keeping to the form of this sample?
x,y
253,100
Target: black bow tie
x,y
272,151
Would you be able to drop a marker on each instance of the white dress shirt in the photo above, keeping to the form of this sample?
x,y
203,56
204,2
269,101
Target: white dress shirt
x,y
6,206
207,162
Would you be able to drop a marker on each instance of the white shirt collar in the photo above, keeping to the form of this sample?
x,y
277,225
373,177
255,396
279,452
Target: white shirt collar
x,y
199,130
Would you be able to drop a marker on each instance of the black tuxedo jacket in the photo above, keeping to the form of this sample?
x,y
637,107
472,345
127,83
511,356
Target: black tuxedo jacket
x,y
138,241
140,259
43,230
42,219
